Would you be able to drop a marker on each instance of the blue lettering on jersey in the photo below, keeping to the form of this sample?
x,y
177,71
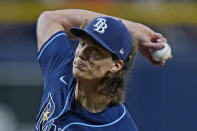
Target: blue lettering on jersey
x,y
45,113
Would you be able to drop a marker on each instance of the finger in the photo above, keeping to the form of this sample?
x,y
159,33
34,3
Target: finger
x,y
162,40
156,36
148,56
154,46
157,63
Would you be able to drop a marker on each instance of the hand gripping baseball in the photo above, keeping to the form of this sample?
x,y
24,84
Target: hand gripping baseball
x,y
163,54
155,48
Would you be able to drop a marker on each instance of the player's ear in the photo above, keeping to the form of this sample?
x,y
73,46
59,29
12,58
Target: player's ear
x,y
117,65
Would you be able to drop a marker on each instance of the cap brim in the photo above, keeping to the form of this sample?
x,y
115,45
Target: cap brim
x,y
82,32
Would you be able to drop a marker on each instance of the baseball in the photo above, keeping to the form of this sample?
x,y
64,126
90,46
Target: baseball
x,y
163,54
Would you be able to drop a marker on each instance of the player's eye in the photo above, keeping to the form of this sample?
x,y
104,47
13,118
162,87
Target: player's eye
x,y
96,52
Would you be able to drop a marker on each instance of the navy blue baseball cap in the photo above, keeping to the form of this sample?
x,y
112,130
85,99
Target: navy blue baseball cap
x,y
112,34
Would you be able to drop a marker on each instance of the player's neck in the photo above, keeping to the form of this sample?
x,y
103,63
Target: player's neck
x,y
89,98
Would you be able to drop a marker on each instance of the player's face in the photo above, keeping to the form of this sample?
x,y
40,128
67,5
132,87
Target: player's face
x,y
91,61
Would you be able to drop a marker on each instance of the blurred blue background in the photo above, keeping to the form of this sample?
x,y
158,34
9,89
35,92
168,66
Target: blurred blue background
x,y
159,98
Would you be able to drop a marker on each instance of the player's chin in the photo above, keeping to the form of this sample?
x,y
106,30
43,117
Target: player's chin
x,y
78,73
82,75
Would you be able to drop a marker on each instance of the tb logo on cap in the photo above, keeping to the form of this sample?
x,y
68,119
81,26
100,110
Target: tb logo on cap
x,y
101,25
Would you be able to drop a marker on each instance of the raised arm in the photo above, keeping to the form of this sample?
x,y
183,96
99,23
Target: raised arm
x,y
51,22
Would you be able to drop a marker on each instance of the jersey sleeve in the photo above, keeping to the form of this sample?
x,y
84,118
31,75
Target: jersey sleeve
x,y
55,59
56,55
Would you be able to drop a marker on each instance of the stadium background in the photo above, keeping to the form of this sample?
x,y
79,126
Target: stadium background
x,y
159,99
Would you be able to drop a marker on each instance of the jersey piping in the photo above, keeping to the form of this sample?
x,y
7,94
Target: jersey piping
x,y
96,126
49,41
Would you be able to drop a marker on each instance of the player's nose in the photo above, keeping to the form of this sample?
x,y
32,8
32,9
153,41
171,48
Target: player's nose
x,y
84,53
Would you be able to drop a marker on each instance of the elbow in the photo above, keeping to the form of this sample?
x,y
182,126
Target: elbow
x,y
43,24
45,16
44,21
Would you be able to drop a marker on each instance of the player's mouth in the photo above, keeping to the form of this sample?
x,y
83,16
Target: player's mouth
x,y
79,65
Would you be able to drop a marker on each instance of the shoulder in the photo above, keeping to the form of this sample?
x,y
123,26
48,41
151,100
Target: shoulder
x,y
56,55
55,38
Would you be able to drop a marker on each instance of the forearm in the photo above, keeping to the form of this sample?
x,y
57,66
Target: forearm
x,y
76,17
51,22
